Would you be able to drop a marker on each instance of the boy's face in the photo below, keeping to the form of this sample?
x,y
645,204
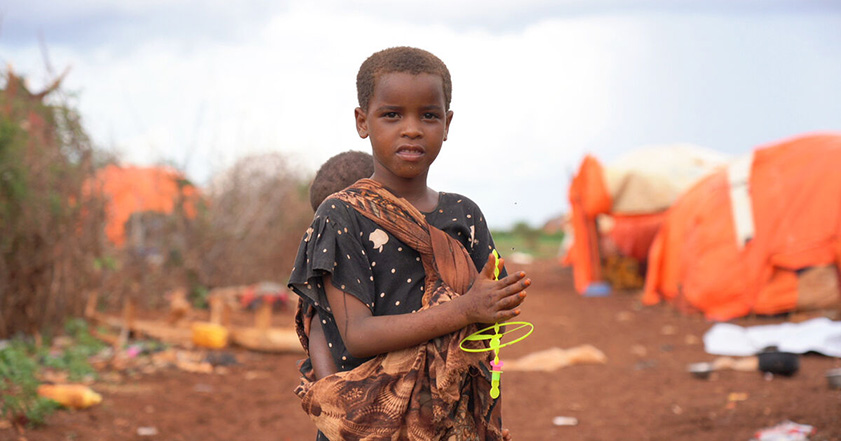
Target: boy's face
x,y
407,124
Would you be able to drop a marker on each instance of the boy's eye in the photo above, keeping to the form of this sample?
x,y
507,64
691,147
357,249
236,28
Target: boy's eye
x,y
430,115
390,115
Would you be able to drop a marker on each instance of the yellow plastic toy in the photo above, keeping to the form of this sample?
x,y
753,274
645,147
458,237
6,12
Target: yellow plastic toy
x,y
495,339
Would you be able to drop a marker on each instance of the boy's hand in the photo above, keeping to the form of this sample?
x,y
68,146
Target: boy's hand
x,y
494,301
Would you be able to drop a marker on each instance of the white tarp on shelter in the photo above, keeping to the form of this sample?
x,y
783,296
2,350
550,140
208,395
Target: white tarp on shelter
x,y
649,179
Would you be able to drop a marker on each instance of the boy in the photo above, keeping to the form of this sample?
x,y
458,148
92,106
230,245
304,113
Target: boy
x,y
390,266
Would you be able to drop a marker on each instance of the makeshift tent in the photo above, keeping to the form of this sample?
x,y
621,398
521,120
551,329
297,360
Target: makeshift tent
x,y
131,190
761,236
626,201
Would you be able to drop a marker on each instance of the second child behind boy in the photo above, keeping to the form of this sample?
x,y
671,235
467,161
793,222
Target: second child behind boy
x,y
390,266
337,173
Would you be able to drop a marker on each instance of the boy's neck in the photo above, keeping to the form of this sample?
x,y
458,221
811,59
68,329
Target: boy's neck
x,y
415,191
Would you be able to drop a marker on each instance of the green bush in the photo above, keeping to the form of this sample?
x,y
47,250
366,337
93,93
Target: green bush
x,y
74,358
525,239
21,360
19,399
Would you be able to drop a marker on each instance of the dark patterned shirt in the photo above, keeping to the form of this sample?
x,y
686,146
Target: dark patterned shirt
x,y
374,266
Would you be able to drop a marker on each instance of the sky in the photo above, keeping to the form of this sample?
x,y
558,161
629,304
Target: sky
x,y
537,84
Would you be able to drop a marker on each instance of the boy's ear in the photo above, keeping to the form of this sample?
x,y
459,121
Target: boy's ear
x,y
449,119
361,122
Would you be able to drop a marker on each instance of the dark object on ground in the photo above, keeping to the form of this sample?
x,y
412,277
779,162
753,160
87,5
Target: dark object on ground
x,y
221,359
779,363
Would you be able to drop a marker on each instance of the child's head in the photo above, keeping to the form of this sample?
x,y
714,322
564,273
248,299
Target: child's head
x,y
400,59
339,172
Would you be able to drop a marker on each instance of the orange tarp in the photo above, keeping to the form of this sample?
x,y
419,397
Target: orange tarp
x,y
795,191
631,234
132,190
588,197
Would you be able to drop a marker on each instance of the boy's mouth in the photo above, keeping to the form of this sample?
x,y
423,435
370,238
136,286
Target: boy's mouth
x,y
410,152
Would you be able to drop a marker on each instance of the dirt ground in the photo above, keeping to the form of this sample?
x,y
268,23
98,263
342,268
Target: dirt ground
x,y
643,392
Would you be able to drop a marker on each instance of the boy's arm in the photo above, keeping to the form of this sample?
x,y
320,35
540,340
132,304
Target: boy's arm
x,y
366,335
320,356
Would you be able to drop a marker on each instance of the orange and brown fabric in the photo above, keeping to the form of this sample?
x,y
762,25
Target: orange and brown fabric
x,y
428,392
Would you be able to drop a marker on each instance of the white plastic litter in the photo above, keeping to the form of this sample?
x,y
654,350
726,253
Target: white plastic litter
x,y
818,335
785,431
565,421
147,431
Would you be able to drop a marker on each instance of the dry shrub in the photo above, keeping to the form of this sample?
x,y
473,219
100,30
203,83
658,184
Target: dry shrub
x,y
49,229
242,230
256,215
148,258
53,251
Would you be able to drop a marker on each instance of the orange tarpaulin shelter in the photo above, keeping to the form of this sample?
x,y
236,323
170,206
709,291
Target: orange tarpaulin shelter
x,y
633,193
729,258
130,190
588,197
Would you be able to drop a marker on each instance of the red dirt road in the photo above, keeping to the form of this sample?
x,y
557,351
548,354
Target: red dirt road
x,y
643,392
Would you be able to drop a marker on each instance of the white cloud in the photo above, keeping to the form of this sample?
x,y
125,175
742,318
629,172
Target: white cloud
x,y
529,97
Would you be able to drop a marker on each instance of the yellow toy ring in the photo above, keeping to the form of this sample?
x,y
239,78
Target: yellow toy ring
x,y
479,336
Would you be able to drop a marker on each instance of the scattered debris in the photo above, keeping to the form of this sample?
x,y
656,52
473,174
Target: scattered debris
x,y
209,335
639,350
556,358
147,431
221,359
268,340
737,396
203,388
597,289
785,431
733,398
645,364
691,340
779,363
668,330
701,370
624,316
72,396
744,364
816,335
565,421
193,362
705,369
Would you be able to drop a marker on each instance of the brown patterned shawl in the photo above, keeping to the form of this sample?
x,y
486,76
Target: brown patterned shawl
x,y
433,391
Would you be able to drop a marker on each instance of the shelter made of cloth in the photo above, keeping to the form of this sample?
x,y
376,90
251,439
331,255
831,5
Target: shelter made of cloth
x,y
131,190
635,190
757,244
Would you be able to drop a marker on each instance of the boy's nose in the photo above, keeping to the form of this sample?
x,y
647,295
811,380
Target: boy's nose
x,y
412,128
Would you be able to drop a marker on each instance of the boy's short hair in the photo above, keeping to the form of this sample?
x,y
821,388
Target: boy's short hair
x,y
339,172
400,59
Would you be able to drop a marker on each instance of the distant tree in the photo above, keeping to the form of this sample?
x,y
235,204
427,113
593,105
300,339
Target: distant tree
x,y
529,235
